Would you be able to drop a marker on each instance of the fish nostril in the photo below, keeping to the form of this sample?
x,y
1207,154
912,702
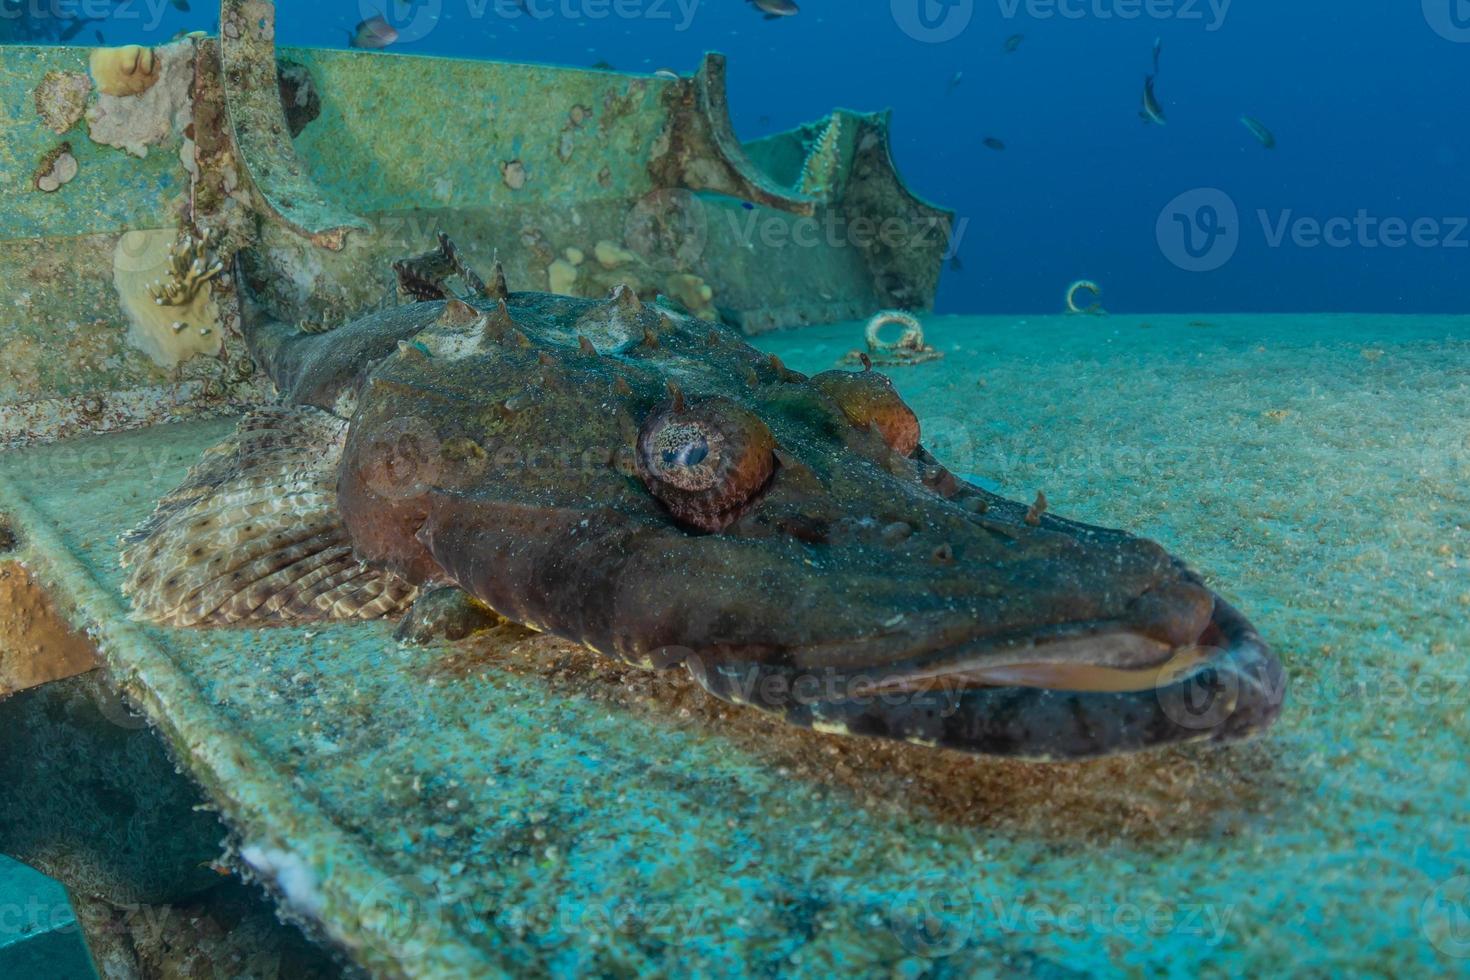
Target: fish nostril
x,y
803,527
943,555
895,533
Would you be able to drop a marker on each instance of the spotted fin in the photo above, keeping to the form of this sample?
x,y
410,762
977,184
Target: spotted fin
x,y
253,536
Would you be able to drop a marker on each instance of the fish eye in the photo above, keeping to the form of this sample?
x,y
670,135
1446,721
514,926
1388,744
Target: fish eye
x,y
705,462
868,398
684,454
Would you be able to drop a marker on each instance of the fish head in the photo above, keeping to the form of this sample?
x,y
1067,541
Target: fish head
x,y
625,475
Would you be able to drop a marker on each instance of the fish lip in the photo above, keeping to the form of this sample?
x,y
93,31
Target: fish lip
x,y
1237,691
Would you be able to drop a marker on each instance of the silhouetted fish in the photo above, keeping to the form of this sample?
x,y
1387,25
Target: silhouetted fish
x,y
1263,135
954,82
374,34
991,143
1012,43
1152,112
775,9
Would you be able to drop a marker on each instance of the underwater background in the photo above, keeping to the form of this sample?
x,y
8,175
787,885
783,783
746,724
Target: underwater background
x,y
1360,207
1313,466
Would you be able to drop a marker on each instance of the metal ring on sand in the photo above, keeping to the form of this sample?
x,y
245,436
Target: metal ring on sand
x,y
912,338
1094,308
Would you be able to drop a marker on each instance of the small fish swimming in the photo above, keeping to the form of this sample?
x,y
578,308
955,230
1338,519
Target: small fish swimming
x,y
1152,112
954,82
1012,43
1263,135
374,34
775,9
991,143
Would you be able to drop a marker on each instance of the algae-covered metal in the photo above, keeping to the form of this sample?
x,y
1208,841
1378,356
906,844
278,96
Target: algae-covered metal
x,y
114,162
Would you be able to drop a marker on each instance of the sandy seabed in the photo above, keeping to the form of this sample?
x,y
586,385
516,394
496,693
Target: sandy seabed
x,y
1315,467
560,812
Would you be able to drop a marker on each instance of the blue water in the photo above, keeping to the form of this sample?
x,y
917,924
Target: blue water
x,y
1366,100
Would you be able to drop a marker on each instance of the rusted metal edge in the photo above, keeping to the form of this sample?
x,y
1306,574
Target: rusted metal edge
x,y
316,870
878,125
706,123
37,644
905,275
258,123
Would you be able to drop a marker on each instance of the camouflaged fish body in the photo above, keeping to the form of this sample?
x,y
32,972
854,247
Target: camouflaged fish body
x,y
620,474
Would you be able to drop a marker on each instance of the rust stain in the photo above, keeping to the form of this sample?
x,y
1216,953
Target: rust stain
x,y
36,644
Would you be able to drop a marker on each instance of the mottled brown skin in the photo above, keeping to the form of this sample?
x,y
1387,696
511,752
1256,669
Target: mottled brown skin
x,y
624,476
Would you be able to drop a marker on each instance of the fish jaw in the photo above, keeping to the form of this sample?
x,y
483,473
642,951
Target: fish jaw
x,y
1235,691
1019,659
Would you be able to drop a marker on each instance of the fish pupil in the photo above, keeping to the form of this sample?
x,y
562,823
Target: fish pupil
x,y
691,453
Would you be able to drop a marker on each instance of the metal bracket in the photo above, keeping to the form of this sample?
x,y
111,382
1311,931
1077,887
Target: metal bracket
x,y
258,121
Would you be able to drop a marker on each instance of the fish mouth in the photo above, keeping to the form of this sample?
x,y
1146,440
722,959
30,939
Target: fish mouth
x,y
1072,692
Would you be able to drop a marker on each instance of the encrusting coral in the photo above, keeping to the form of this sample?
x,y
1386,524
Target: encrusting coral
x,y
57,169
163,282
129,70
191,264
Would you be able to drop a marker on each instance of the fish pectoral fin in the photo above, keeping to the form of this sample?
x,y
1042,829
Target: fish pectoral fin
x,y
446,613
254,537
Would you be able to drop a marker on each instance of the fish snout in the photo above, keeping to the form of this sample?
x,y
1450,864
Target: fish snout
x,y
1233,688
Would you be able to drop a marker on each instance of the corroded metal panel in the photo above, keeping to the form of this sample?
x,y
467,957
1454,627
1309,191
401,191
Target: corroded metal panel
x,y
311,171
